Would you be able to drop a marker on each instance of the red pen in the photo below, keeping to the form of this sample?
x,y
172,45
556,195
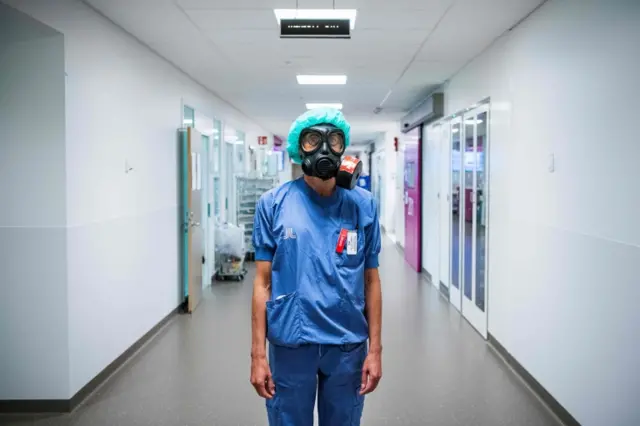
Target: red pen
x,y
342,239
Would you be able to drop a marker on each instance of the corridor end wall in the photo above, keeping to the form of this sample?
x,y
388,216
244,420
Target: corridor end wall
x,y
564,245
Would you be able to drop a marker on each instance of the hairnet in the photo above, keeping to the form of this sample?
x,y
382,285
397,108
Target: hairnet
x,y
311,118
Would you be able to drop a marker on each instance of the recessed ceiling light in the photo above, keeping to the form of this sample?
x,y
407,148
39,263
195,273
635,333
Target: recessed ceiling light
x,y
349,14
335,105
322,79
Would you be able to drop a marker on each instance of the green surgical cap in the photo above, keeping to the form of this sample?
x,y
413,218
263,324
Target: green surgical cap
x,y
313,117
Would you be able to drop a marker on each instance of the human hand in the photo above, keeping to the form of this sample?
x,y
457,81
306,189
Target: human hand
x,y
261,377
371,372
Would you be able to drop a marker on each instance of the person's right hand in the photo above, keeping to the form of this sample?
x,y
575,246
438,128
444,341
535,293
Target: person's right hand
x,y
261,377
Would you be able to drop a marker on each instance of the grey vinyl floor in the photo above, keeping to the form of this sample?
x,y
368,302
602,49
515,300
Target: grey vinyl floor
x,y
436,369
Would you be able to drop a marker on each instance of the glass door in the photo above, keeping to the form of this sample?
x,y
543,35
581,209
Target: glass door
x,y
475,218
456,232
216,169
215,174
444,202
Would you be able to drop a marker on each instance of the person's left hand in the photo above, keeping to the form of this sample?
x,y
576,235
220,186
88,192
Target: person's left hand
x,y
371,372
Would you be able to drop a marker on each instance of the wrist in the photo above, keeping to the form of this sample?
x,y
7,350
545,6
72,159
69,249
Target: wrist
x,y
375,349
258,354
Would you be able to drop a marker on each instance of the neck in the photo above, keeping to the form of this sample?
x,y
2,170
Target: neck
x,y
322,187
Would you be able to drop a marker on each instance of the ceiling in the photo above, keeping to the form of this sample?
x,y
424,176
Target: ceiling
x,y
403,47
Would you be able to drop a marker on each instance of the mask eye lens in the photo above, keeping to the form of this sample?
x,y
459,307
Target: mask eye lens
x,y
310,141
337,142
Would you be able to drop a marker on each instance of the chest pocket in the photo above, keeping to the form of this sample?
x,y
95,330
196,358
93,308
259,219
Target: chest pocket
x,y
345,259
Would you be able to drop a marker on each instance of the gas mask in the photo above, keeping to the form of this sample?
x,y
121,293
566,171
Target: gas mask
x,y
321,149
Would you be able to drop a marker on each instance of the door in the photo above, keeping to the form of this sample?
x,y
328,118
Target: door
x,y
400,197
378,183
476,137
455,233
205,206
444,204
430,202
229,199
413,200
215,173
192,156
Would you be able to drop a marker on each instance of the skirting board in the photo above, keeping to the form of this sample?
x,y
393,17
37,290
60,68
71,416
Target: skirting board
x,y
68,405
444,290
427,275
400,248
553,404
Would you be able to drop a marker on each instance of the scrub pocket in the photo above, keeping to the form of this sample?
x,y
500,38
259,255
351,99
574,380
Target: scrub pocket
x,y
351,260
358,407
355,353
273,412
284,321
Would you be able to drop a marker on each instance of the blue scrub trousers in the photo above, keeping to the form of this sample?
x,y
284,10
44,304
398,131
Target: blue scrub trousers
x,y
335,372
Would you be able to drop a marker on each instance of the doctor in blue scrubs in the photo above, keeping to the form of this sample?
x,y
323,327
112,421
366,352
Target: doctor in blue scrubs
x,y
317,297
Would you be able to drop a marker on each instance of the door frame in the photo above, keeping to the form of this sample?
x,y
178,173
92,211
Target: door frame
x,y
476,317
455,294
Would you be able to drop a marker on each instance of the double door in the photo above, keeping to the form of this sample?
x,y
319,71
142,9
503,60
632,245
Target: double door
x,y
469,137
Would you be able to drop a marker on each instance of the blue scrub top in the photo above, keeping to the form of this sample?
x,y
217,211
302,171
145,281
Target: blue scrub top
x,y
317,294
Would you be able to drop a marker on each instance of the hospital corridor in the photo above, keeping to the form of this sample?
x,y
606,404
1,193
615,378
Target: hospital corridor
x,y
319,213
438,371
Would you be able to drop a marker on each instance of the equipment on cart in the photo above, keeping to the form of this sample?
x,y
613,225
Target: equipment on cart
x,y
230,252
249,191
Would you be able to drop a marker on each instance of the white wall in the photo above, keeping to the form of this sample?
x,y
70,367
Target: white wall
x,y
564,246
124,103
33,303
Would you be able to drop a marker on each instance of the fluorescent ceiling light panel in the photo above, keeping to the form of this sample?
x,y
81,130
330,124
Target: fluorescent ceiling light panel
x,y
335,105
349,14
322,79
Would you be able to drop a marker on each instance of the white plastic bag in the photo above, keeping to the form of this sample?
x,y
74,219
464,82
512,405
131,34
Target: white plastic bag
x,y
230,240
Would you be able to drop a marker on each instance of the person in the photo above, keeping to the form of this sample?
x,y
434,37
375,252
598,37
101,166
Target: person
x,y
317,296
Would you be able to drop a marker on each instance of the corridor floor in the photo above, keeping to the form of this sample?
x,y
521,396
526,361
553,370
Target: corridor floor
x,y
436,370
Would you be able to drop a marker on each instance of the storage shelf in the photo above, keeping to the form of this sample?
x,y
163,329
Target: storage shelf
x,y
250,189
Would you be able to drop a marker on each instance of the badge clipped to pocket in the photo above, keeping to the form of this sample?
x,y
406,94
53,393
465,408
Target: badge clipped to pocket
x,y
352,243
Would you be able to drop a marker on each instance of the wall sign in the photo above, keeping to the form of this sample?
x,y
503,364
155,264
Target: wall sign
x,y
262,140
